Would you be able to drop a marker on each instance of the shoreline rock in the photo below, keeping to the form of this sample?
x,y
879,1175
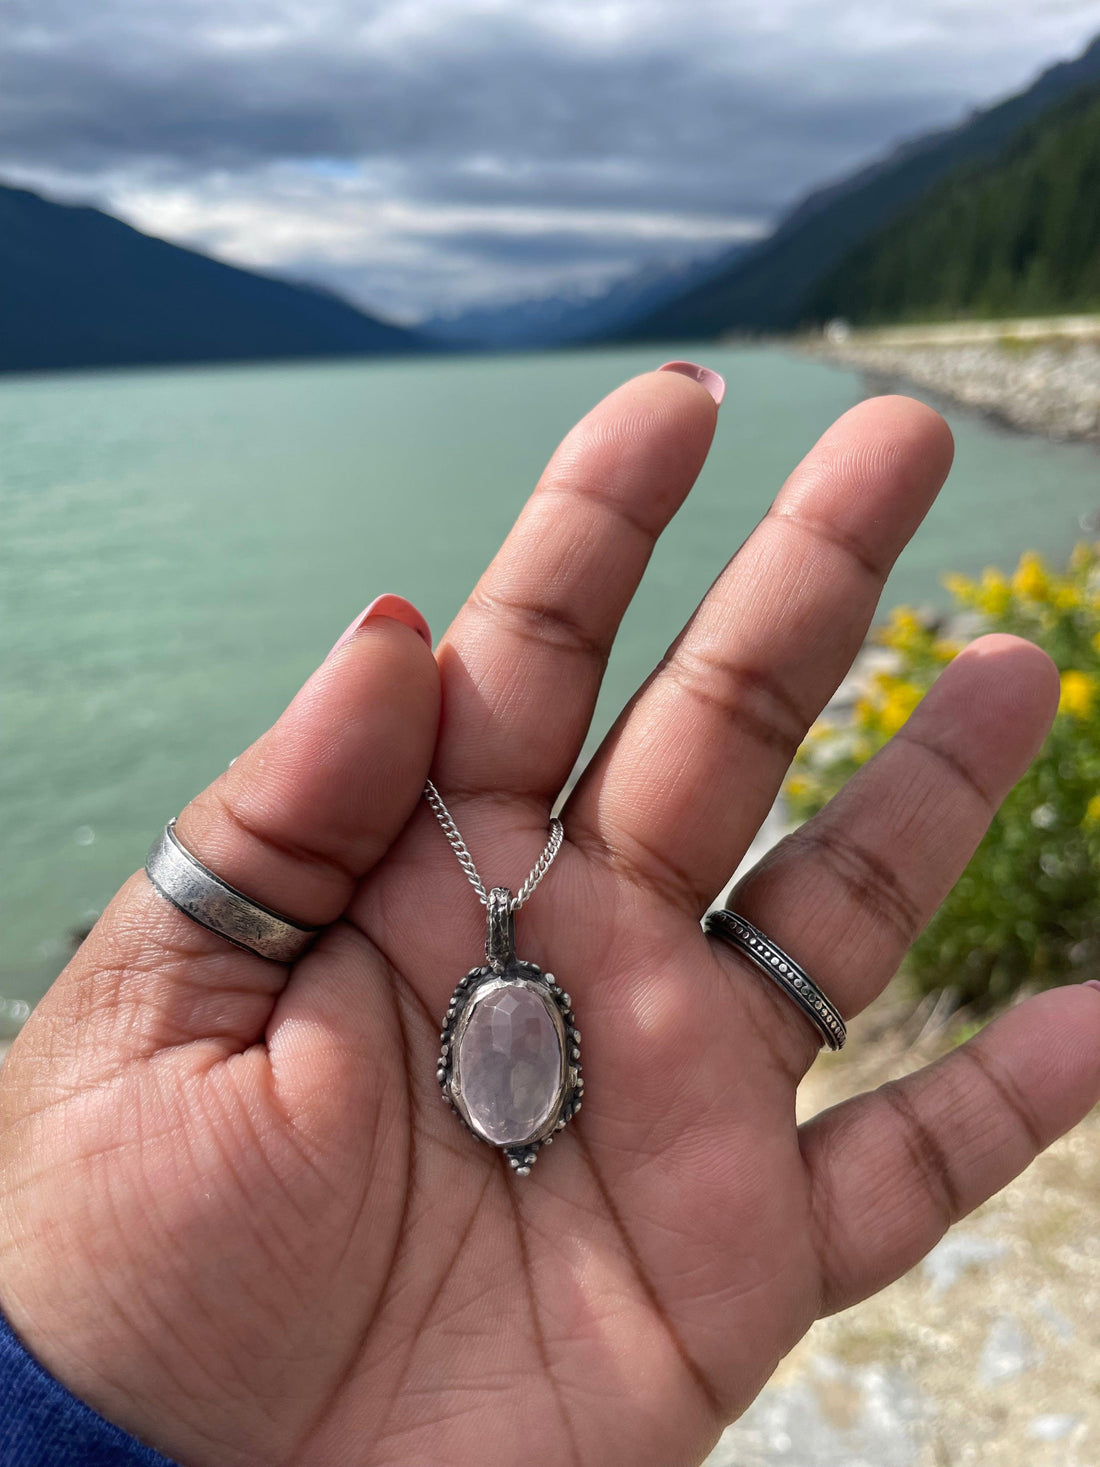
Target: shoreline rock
x,y
1049,387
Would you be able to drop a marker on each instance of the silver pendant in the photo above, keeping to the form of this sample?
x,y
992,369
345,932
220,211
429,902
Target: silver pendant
x,y
510,1063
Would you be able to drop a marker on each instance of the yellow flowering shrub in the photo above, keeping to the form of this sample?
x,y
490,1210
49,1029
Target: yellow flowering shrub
x,y
1027,908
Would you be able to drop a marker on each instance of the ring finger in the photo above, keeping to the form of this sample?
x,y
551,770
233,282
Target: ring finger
x,y
848,892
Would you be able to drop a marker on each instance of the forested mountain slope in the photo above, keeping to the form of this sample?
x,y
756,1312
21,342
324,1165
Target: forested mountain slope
x,y
1016,239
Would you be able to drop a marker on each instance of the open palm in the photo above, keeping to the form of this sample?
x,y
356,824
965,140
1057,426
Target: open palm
x,y
236,1217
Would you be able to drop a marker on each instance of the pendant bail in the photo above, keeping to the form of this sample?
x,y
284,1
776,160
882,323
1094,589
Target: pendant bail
x,y
500,930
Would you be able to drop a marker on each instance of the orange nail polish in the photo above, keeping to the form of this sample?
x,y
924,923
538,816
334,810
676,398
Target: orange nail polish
x,y
394,608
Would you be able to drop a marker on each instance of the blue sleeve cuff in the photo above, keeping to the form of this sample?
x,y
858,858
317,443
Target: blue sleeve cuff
x,y
44,1425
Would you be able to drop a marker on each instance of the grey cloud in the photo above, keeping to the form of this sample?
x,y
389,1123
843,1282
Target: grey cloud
x,y
452,280
713,134
708,112
548,247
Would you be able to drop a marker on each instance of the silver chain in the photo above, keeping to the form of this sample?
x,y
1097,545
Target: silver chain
x,y
466,861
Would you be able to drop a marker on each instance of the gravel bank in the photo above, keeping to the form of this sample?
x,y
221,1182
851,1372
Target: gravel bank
x,y
1052,387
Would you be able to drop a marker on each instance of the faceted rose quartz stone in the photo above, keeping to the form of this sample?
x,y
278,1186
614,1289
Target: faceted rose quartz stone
x,y
509,1065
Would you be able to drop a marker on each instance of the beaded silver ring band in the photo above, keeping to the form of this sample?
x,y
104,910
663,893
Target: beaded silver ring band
x,y
193,888
782,969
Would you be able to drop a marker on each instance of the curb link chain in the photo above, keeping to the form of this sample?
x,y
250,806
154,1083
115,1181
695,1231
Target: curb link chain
x,y
466,861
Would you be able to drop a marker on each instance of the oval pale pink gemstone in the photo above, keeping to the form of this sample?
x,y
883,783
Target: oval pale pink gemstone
x,y
509,1065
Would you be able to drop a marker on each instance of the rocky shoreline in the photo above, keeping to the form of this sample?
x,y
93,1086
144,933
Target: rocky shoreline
x,y
1046,386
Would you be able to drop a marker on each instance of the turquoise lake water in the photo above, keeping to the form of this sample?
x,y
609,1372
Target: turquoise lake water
x,y
182,547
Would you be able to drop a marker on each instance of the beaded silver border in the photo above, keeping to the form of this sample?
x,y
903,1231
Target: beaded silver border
x,y
521,1157
790,976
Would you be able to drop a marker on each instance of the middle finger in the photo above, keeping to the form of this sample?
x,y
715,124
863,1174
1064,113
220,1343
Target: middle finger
x,y
685,778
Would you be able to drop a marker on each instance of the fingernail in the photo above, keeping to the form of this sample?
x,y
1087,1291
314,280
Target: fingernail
x,y
396,608
1093,983
715,384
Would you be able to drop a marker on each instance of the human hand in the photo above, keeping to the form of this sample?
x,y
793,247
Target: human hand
x,y
235,1216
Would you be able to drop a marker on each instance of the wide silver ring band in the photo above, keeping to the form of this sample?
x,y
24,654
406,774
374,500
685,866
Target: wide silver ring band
x,y
782,969
213,903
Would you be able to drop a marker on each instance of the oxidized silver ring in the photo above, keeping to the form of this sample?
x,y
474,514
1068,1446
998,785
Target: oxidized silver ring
x,y
213,903
782,969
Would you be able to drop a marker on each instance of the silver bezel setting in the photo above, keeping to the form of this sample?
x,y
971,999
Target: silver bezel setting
x,y
478,984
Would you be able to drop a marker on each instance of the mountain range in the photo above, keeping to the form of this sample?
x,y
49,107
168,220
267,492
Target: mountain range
x,y
999,213
770,287
1016,237
558,320
79,288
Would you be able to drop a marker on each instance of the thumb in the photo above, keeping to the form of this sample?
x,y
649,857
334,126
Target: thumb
x,y
294,823
309,808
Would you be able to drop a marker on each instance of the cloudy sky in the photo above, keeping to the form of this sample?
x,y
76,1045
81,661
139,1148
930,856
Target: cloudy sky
x,y
420,155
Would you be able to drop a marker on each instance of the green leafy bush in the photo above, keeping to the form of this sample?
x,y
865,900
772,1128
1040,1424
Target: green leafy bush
x,y
1027,908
